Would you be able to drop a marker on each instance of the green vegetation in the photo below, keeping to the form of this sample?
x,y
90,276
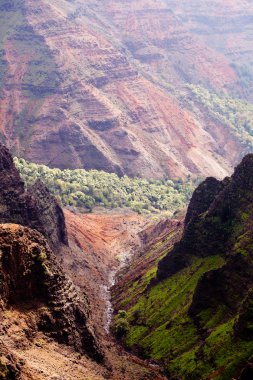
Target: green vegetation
x,y
120,326
235,113
162,329
87,189
198,321
159,321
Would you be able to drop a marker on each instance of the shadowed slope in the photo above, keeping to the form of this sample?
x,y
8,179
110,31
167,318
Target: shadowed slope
x,y
195,313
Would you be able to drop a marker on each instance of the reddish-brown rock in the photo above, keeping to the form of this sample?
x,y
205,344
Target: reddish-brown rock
x,y
86,85
31,278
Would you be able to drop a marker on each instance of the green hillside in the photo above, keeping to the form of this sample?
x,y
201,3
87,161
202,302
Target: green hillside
x,y
194,314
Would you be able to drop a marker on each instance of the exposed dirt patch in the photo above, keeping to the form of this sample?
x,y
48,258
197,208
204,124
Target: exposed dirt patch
x,y
40,358
100,244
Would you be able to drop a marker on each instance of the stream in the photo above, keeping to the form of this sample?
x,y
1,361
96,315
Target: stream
x,y
106,289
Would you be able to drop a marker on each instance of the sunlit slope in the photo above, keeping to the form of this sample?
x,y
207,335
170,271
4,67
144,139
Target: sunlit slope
x,y
100,85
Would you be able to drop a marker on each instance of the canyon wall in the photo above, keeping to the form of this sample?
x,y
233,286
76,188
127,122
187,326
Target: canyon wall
x,y
102,85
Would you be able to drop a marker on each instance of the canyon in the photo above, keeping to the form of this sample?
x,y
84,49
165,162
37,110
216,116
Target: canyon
x,y
55,273
114,276
176,293
103,84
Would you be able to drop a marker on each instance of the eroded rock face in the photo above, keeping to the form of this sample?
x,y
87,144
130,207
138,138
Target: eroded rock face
x,y
86,85
203,197
35,208
46,215
30,277
29,274
10,366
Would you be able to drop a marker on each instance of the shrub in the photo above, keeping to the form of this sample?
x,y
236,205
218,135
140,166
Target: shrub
x,y
121,327
86,189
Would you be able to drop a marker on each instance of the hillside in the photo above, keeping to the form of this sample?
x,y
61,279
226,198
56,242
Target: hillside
x,y
231,20
194,314
55,271
101,85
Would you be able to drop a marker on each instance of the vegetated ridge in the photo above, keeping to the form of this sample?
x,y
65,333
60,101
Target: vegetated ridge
x,y
194,314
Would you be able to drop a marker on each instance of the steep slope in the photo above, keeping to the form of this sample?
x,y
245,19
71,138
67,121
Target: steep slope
x,y
195,315
133,278
108,241
157,37
52,310
38,303
230,19
31,279
34,208
91,85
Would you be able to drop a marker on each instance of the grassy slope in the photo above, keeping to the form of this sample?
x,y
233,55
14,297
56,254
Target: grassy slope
x,y
137,276
161,326
164,331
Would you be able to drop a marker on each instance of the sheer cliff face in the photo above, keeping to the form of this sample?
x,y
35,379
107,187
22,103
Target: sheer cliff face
x,y
34,208
31,280
91,85
218,221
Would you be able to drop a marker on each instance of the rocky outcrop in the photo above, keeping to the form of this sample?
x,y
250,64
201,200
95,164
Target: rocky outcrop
x,y
10,366
28,270
218,215
203,197
31,278
45,214
34,208
219,222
